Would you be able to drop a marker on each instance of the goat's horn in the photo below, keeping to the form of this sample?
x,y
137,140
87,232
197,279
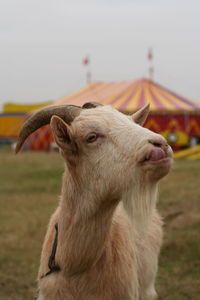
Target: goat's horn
x,y
91,105
43,117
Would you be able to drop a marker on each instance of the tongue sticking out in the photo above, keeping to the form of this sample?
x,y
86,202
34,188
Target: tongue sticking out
x,y
156,154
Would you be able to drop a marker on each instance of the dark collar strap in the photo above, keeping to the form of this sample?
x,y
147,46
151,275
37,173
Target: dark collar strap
x,y
51,264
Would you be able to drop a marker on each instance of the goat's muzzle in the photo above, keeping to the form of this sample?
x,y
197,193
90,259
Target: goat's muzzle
x,y
159,152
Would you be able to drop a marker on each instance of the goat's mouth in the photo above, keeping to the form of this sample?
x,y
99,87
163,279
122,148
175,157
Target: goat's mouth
x,y
156,155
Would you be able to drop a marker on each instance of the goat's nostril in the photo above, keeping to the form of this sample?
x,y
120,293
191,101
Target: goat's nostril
x,y
157,144
161,144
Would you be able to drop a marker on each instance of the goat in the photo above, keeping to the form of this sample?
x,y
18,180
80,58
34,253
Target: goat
x,y
109,232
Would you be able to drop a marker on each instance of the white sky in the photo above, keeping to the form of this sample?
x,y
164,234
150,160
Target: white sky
x,y
43,42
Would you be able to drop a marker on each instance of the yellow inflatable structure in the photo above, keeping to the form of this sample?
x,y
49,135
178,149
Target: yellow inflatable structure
x,y
191,153
11,107
13,117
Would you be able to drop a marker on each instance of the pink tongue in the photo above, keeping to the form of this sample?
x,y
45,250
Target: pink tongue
x,y
156,154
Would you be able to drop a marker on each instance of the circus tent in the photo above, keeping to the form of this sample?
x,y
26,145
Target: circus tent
x,y
172,115
129,96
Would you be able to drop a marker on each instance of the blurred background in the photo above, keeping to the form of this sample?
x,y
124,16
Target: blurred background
x,y
43,44
120,52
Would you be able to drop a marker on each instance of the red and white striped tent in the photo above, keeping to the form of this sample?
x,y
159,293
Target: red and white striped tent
x,y
172,115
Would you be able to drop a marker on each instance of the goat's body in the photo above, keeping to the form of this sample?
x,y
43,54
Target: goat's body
x,y
109,232
126,269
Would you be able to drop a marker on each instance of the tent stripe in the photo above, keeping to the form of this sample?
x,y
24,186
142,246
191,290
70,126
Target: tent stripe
x,y
106,91
75,95
166,103
91,89
148,96
127,89
114,91
154,100
122,102
134,102
131,97
85,94
177,103
191,104
94,92
141,99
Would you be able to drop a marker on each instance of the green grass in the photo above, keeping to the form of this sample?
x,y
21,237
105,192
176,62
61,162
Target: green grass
x,y
29,190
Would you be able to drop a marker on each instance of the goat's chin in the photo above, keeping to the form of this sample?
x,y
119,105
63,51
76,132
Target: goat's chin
x,y
155,170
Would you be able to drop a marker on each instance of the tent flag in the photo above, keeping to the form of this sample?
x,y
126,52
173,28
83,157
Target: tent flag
x,y
150,54
172,115
86,60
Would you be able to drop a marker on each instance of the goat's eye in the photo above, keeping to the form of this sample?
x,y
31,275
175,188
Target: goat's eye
x,y
91,137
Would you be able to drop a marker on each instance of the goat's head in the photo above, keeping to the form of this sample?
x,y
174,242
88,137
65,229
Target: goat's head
x,y
101,145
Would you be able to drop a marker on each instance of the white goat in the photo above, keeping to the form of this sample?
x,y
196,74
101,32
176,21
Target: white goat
x,y
109,233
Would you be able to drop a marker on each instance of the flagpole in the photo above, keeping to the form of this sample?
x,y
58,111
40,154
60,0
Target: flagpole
x,y
151,67
151,73
88,77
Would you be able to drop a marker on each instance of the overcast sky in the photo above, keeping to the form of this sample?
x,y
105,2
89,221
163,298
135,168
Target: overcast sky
x,y
43,42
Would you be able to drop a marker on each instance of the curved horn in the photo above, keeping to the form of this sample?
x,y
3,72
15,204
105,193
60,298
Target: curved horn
x,y
43,117
91,105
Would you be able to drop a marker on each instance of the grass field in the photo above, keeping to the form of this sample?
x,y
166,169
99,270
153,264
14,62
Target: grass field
x,y
29,190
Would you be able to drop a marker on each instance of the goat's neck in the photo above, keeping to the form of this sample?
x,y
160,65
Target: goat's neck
x,y
84,225
140,203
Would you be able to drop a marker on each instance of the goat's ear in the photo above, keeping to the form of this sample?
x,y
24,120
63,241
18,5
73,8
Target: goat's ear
x,y
62,133
140,116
